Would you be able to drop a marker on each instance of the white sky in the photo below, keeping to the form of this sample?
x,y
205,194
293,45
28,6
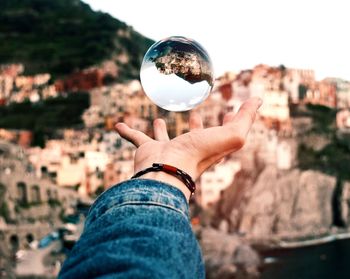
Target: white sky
x,y
240,34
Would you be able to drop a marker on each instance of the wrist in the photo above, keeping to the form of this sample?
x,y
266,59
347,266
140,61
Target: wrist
x,y
169,179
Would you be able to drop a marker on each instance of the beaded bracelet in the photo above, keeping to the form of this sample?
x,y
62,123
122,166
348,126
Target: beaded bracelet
x,y
180,174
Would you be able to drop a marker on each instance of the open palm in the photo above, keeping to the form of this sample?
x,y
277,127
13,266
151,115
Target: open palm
x,y
196,150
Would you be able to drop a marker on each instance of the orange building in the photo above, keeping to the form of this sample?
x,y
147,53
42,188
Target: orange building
x,y
322,93
25,138
84,80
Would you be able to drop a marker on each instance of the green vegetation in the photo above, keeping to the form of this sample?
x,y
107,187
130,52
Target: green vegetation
x,y
99,191
334,158
4,211
54,203
323,119
27,205
62,36
43,118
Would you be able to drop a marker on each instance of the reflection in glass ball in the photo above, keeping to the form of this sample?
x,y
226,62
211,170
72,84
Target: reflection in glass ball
x,y
177,74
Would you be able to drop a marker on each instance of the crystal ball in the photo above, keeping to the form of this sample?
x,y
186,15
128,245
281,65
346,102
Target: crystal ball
x,y
177,73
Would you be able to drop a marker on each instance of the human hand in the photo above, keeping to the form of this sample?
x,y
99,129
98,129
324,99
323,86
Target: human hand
x,y
192,152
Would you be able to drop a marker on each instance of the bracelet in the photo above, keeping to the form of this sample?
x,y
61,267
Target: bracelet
x,y
183,176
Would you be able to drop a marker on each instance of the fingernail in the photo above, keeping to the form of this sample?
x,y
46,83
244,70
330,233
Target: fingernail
x,y
260,101
118,124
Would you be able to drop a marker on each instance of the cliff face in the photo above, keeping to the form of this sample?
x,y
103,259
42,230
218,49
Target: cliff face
x,y
342,201
285,204
308,199
266,204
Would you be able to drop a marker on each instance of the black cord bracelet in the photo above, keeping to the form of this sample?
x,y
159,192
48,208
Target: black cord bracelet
x,y
180,174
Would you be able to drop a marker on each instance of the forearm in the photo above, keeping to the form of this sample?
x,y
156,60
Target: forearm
x,y
139,228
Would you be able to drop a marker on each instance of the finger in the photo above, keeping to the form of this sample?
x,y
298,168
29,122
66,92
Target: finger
x,y
228,117
205,164
195,121
134,136
225,139
245,116
160,131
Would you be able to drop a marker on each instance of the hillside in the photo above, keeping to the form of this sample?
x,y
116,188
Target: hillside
x,y
319,146
45,117
62,36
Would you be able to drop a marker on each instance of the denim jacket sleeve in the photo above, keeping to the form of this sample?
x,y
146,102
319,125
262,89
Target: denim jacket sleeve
x,y
137,229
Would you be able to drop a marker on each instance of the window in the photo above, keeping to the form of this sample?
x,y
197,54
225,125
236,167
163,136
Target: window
x,y
29,238
22,193
35,194
2,191
48,192
55,195
150,111
14,242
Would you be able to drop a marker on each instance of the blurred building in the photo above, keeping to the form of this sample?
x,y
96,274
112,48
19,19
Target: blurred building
x,y
322,93
211,110
268,146
30,205
18,88
117,172
284,155
343,119
215,180
23,138
93,117
80,81
342,92
275,106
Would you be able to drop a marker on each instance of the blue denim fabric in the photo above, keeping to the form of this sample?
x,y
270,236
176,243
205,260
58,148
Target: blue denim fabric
x,y
137,229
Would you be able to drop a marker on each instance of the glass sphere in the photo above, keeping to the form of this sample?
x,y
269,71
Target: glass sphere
x,y
177,74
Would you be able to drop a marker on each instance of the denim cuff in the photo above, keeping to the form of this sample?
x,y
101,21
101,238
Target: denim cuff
x,y
142,192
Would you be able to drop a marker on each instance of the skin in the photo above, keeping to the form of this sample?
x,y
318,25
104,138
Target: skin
x,y
192,152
